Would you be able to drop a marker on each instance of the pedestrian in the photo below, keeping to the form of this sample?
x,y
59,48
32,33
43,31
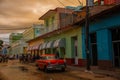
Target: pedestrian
x,y
33,57
37,56
57,54
20,58
17,56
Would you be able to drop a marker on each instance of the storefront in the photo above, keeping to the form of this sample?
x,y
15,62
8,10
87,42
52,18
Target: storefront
x,y
104,40
42,48
36,48
49,47
68,44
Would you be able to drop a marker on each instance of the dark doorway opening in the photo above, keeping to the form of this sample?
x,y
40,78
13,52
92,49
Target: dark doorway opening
x,y
116,46
94,56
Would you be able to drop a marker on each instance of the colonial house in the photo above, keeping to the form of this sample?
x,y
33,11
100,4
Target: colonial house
x,y
104,28
60,35
30,34
65,32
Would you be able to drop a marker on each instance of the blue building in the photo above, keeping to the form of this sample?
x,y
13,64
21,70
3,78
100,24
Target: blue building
x,y
104,41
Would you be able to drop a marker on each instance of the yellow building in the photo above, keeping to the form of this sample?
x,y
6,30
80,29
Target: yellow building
x,y
33,32
31,37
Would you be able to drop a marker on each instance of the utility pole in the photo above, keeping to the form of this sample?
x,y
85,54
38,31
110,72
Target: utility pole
x,y
87,37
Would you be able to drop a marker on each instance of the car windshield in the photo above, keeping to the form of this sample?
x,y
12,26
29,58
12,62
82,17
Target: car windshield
x,y
48,57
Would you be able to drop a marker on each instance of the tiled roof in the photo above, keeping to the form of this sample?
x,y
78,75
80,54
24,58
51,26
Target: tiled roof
x,y
97,11
94,11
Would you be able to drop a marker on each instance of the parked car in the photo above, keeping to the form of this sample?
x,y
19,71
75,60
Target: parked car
x,y
50,62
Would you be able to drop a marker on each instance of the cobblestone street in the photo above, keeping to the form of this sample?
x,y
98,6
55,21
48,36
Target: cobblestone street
x,y
13,70
16,71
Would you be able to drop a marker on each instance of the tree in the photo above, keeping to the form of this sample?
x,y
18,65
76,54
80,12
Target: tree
x,y
1,42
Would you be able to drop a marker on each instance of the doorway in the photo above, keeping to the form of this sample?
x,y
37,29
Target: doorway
x,y
94,56
75,49
116,47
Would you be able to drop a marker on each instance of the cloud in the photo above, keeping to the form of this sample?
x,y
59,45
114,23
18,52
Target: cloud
x,y
23,13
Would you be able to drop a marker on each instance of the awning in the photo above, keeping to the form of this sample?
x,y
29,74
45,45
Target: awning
x,y
43,46
50,44
29,48
36,47
59,43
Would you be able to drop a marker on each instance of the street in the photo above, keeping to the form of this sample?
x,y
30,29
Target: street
x,y
17,71
74,36
13,70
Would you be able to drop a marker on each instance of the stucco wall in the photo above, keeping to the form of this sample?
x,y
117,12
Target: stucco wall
x,y
28,34
102,28
67,35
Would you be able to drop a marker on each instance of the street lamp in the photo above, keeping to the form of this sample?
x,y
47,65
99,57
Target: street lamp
x,y
87,37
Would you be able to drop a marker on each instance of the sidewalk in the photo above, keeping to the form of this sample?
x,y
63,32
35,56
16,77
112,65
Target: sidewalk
x,y
96,74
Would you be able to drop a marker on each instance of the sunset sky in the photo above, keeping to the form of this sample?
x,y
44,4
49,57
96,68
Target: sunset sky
x,y
16,14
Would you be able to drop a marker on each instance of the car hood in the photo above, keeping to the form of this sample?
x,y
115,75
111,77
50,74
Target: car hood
x,y
53,61
56,61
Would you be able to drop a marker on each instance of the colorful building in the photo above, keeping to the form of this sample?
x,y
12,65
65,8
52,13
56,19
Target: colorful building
x,y
62,36
34,31
34,45
108,2
14,38
65,32
18,47
30,34
104,41
31,37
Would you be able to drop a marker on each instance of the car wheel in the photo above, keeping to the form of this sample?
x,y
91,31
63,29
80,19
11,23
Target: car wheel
x,y
63,69
38,68
45,69
36,65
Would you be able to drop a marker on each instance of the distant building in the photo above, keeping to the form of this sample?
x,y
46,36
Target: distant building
x,y
14,37
18,47
18,40
33,32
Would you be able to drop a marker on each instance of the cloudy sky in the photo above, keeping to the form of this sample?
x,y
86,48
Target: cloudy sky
x,y
21,14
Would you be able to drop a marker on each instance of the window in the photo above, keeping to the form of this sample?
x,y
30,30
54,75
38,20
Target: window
x,y
65,19
115,34
47,23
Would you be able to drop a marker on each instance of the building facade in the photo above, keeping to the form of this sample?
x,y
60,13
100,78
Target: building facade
x,y
65,33
29,36
14,38
104,39
18,47
33,32
60,35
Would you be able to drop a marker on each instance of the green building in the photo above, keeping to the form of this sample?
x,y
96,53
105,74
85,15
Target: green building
x,y
61,36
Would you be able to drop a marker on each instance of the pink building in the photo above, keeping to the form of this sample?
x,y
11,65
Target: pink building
x,y
108,2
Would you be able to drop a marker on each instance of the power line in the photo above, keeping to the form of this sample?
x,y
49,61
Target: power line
x,y
61,3
80,2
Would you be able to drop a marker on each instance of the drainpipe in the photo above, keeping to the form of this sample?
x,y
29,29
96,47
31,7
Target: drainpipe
x,y
87,37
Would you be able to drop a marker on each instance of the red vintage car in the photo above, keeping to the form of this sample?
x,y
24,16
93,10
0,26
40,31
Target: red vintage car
x,y
50,62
